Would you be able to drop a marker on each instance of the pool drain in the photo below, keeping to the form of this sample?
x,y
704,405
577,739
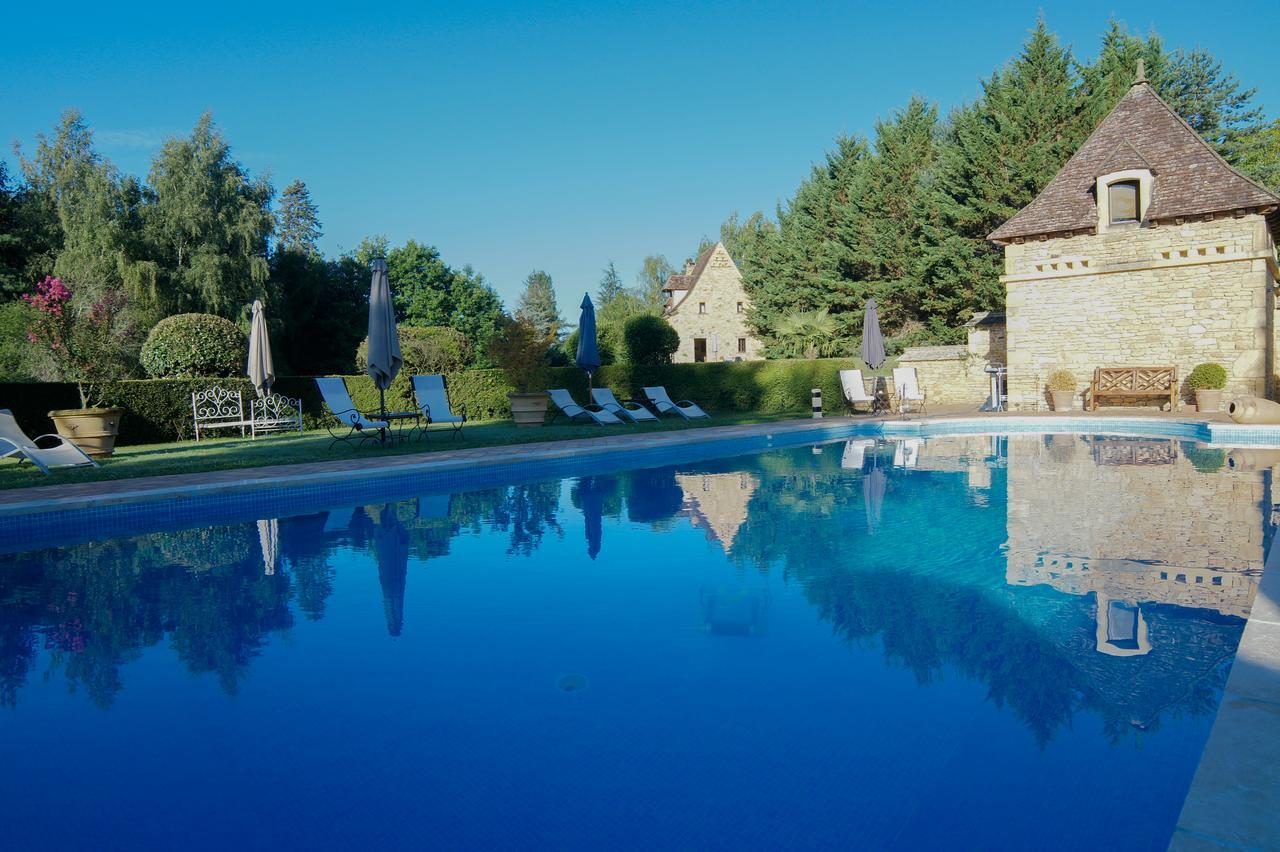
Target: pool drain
x,y
572,683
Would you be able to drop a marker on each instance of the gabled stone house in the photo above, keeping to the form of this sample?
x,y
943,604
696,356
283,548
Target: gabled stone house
x,y
707,306
1146,249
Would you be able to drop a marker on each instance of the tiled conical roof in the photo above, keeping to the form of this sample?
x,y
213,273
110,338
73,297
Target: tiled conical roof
x,y
1141,132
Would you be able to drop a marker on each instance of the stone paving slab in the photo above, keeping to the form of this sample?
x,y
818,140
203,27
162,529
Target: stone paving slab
x,y
1234,801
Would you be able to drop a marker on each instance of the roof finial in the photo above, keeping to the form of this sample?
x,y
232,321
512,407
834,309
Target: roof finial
x,y
1142,72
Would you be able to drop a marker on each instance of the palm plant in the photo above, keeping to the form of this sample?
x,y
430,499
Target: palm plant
x,y
808,333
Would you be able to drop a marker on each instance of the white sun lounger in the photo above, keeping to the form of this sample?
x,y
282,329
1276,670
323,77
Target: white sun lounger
x,y
855,391
907,452
564,401
336,398
633,411
662,401
433,399
910,396
855,453
14,442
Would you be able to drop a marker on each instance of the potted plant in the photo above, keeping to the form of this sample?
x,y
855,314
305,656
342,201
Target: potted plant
x,y
1208,380
520,349
1062,389
87,346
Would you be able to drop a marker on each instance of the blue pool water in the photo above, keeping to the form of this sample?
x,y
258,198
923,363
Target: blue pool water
x,y
959,642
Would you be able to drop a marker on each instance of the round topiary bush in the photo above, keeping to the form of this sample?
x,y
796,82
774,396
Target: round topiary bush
x,y
1207,377
434,349
189,346
650,340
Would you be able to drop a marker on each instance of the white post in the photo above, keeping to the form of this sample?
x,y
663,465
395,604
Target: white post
x,y
817,403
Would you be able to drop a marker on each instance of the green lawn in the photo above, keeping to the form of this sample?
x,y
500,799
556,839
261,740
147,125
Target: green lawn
x,y
229,453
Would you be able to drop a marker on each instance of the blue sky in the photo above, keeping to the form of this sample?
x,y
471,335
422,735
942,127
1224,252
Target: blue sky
x,y
556,135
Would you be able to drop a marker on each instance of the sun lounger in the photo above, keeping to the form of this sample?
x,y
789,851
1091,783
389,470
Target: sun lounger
x,y
633,411
14,442
338,400
855,453
662,402
433,399
907,386
855,391
907,452
563,400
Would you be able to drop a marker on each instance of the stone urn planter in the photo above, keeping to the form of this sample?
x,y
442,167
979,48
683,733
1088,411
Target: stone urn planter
x,y
93,430
1208,400
1062,400
528,410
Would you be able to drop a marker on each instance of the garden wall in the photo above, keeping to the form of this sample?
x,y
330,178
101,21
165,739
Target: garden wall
x,y
159,410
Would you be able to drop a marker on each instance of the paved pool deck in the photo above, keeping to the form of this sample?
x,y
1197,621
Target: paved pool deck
x,y
1234,801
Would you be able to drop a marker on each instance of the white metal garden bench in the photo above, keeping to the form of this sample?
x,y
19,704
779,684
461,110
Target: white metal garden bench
x,y
219,408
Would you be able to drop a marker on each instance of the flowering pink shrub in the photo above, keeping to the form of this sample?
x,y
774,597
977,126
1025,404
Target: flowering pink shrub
x,y
87,347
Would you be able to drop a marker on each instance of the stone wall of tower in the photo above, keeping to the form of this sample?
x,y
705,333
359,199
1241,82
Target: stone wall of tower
x,y
1174,294
715,310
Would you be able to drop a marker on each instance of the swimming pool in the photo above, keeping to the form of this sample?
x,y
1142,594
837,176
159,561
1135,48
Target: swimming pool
x,y
875,642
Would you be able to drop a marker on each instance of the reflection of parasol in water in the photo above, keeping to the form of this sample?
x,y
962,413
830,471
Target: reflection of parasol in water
x,y
873,486
269,538
391,551
591,498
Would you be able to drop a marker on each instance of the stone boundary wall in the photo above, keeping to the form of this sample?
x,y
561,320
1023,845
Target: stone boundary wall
x,y
949,375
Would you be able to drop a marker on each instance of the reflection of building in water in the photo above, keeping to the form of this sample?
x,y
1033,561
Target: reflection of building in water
x,y
1132,522
717,502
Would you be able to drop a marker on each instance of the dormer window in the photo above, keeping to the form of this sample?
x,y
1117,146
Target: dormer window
x,y
1123,198
1124,202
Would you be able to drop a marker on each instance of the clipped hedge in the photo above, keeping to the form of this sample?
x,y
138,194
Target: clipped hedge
x,y
159,410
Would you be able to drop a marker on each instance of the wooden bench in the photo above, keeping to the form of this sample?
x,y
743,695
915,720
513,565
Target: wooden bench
x,y
1134,382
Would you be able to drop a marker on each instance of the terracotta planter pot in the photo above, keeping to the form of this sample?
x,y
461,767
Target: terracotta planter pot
x,y
1062,400
1208,400
528,410
93,430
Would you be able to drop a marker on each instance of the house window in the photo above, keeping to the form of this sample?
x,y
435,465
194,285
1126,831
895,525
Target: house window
x,y
739,307
1122,201
702,307
742,344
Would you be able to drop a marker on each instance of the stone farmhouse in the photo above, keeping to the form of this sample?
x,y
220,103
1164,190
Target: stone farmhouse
x,y
707,306
1146,249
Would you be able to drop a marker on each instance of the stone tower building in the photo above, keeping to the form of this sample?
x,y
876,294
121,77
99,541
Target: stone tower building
x,y
707,306
1146,249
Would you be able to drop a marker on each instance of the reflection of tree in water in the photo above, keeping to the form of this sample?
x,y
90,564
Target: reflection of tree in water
x,y
526,513
95,607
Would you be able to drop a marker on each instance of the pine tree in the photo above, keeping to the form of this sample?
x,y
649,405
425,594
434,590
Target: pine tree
x,y
883,222
998,154
1105,81
297,221
538,304
611,286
